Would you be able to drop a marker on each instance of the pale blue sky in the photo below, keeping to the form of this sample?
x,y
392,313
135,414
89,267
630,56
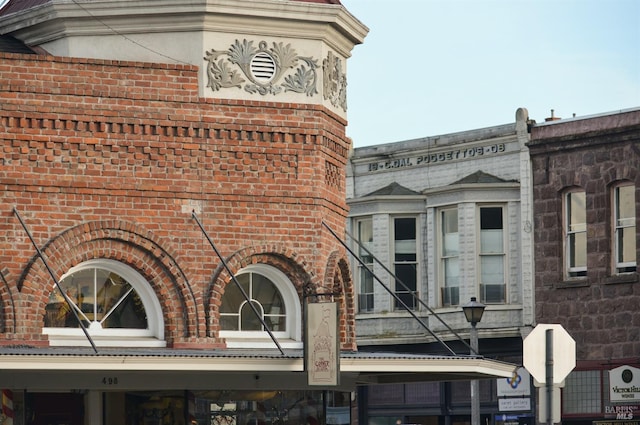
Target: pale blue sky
x,y
431,67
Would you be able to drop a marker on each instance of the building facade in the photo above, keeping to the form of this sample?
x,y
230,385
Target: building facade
x,y
435,222
586,186
168,175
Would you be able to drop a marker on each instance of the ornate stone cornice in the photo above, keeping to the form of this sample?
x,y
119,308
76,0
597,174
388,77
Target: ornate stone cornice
x,y
332,24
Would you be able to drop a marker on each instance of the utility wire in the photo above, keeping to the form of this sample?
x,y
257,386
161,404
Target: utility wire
x,y
115,31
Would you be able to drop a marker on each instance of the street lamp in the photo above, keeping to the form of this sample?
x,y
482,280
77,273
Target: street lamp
x,y
473,312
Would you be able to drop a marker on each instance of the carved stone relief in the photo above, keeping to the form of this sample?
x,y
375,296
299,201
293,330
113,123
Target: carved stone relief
x,y
261,69
335,81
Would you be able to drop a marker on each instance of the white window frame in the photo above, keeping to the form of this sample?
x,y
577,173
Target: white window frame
x,y
361,269
292,336
502,254
397,288
153,336
619,226
442,258
571,231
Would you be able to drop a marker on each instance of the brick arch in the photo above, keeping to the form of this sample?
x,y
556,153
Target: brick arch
x,y
7,304
278,256
338,281
127,243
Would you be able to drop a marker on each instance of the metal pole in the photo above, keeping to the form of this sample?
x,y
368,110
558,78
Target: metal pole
x,y
393,294
549,374
240,288
72,307
475,384
404,286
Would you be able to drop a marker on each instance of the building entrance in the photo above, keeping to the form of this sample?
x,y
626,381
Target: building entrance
x,y
54,409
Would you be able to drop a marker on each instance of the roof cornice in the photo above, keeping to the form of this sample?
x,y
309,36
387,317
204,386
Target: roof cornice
x,y
332,24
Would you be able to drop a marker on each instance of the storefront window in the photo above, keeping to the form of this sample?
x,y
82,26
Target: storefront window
x,y
268,407
582,393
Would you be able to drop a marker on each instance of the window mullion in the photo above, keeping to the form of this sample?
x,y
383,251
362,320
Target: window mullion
x,y
120,301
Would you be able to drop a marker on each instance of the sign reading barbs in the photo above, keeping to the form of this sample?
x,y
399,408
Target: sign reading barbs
x,y
262,69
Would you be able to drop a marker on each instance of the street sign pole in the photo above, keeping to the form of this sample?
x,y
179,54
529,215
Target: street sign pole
x,y
549,354
549,374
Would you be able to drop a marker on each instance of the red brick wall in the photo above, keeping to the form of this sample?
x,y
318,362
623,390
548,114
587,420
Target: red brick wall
x,y
107,159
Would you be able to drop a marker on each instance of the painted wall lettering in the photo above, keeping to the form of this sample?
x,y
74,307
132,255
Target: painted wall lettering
x,y
435,158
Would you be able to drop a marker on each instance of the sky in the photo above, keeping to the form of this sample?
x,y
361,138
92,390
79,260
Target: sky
x,y
433,67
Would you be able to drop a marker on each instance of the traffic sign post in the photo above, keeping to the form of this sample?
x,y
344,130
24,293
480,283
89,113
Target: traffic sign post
x,y
549,354
543,405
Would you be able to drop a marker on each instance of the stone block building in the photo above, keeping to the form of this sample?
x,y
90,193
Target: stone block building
x,y
586,187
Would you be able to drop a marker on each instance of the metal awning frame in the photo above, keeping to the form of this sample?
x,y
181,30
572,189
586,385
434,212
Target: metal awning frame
x,y
356,368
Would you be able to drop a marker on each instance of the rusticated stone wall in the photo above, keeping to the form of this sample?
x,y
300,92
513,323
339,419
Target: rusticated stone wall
x,y
600,311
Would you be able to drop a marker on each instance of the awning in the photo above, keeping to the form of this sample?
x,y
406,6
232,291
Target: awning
x,y
131,369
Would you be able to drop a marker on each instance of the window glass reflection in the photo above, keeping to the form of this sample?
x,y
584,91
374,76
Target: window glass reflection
x,y
101,299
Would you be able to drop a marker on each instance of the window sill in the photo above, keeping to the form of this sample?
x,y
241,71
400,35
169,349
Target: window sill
x,y
573,283
622,278
104,342
263,343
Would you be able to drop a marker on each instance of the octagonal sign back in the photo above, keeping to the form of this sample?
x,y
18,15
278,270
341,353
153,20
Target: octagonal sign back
x,y
563,353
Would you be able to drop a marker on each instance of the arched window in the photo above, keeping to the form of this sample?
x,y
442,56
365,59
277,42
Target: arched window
x,y
114,303
274,298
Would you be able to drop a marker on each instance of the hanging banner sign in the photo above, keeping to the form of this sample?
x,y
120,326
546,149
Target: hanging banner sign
x,y
322,356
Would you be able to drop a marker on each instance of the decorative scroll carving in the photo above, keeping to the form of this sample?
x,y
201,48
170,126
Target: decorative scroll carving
x,y
335,81
263,69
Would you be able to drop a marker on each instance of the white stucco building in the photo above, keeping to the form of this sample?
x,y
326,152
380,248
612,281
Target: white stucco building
x,y
451,217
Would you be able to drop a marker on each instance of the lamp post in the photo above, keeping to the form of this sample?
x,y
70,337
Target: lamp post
x,y
473,312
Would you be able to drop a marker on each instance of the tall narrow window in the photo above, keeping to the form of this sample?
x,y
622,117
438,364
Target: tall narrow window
x,y
405,260
449,252
492,255
365,277
576,234
625,229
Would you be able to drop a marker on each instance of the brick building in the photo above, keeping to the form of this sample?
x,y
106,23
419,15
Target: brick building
x,y
162,152
586,186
